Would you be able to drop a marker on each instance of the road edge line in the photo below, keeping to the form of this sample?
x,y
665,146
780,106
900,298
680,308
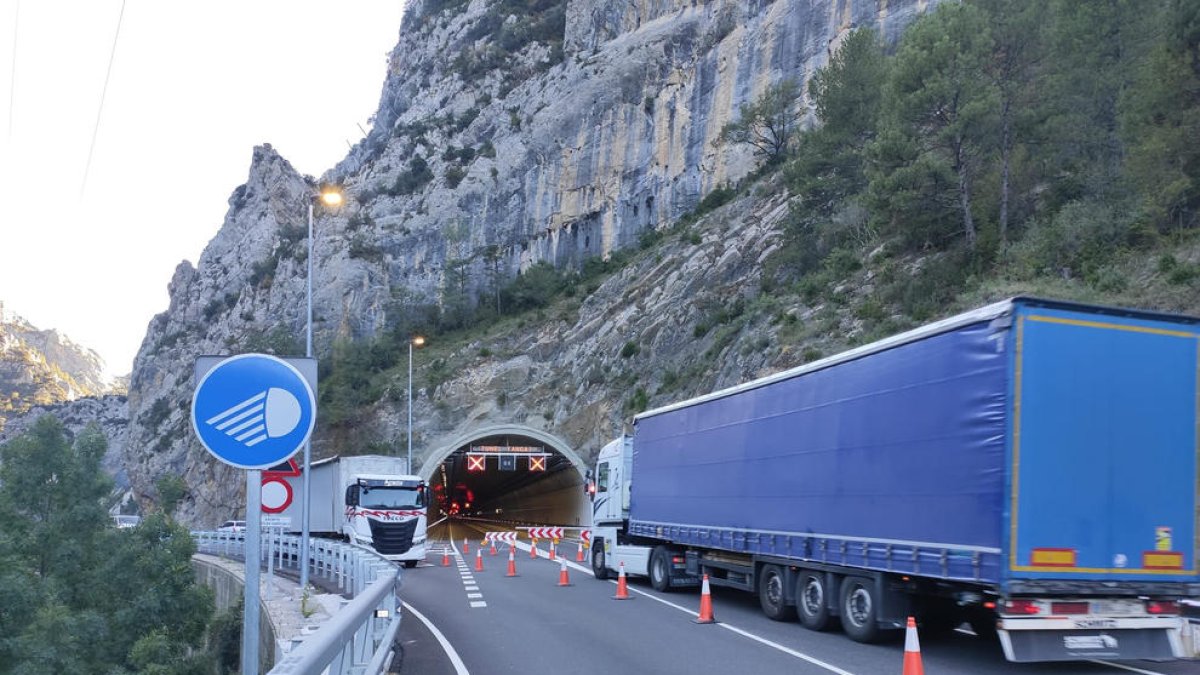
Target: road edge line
x,y
459,667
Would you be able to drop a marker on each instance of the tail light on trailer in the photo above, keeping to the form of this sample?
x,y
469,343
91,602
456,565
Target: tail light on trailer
x,y
1069,608
1162,607
1026,607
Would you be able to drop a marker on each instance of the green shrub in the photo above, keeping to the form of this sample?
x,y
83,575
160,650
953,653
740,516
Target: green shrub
x,y
454,176
630,349
638,401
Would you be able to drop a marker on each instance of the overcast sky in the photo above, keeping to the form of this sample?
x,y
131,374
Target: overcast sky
x,y
194,86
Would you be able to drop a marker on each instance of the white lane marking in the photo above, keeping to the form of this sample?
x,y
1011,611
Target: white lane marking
x,y
479,603
460,668
472,596
1124,667
471,588
774,645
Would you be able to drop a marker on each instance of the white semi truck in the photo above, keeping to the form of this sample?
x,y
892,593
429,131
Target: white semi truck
x,y
369,500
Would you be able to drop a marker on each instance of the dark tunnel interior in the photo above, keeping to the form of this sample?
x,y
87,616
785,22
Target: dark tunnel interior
x,y
510,478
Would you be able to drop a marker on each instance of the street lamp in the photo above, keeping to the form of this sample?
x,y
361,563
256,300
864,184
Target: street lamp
x,y
331,197
416,341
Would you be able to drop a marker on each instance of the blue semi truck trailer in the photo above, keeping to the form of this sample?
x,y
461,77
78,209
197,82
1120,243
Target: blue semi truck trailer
x,y
1029,468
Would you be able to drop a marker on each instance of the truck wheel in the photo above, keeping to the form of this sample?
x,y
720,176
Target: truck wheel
x,y
812,601
860,609
598,569
660,569
771,594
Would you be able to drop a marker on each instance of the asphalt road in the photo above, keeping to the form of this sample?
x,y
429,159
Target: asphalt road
x,y
494,624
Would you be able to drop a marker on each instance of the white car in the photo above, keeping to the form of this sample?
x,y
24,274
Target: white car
x,y
232,526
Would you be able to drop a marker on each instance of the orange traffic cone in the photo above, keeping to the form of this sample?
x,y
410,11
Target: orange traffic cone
x,y
479,560
622,588
533,549
563,579
492,548
912,650
552,558
579,553
512,563
445,557
706,613
466,547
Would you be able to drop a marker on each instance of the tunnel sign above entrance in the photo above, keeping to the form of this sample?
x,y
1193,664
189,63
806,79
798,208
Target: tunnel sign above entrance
x,y
253,411
506,456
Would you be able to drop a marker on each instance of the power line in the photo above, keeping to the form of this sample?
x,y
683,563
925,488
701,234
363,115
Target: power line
x,y
103,94
12,81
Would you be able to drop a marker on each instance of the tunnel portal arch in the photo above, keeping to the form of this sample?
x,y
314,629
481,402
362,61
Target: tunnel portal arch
x,y
432,462
518,493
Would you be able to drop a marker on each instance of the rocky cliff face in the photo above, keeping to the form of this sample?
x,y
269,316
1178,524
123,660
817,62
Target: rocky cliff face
x,y
503,140
43,367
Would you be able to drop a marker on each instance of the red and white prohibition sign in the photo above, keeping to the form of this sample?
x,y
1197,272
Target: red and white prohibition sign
x,y
276,492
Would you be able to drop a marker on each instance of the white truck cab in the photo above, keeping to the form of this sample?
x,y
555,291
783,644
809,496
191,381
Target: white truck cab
x,y
387,514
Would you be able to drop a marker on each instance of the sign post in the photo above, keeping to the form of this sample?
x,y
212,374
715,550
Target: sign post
x,y
252,411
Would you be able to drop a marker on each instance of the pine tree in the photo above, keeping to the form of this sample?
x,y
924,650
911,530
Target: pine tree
x,y
939,106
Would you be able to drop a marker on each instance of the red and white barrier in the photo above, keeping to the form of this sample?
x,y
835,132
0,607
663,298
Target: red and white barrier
x,y
545,532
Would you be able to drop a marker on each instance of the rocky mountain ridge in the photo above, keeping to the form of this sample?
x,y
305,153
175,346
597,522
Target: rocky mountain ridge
x,y
492,151
40,367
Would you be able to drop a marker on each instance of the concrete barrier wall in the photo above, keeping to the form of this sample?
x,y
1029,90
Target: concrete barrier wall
x,y
228,587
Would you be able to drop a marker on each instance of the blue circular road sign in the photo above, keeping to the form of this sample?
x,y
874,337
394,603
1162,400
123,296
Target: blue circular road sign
x,y
253,411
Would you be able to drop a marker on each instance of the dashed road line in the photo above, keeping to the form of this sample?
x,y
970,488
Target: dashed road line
x,y
474,598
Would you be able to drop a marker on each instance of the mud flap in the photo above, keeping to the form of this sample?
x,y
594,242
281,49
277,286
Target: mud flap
x,y
1075,645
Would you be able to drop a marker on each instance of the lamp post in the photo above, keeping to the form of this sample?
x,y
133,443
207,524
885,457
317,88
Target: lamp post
x,y
416,341
329,197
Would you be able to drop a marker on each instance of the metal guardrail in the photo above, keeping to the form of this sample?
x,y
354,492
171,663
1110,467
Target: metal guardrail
x,y
359,637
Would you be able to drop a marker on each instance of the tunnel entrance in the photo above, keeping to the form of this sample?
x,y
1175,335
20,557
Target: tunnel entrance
x,y
511,474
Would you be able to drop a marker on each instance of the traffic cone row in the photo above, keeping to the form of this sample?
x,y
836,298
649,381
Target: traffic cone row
x,y
579,553
479,560
492,550
445,557
552,558
533,549
563,579
912,650
466,547
706,611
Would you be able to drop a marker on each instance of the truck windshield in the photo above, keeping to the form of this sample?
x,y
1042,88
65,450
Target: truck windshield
x,y
390,498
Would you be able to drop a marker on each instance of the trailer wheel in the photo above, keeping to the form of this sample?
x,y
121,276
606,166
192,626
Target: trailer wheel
x,y
660,569
860,609
772,596
812,601
598,569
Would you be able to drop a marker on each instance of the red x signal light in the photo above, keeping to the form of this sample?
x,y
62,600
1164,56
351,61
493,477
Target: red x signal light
x,y
476,462
537,463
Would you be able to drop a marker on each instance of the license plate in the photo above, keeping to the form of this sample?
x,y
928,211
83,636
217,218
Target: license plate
x,y
1119,607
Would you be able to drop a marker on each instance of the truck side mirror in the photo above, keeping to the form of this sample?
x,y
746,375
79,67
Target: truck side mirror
x,y
352,495
421,495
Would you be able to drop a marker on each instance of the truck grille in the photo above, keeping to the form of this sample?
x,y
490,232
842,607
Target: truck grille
x,y
392,538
